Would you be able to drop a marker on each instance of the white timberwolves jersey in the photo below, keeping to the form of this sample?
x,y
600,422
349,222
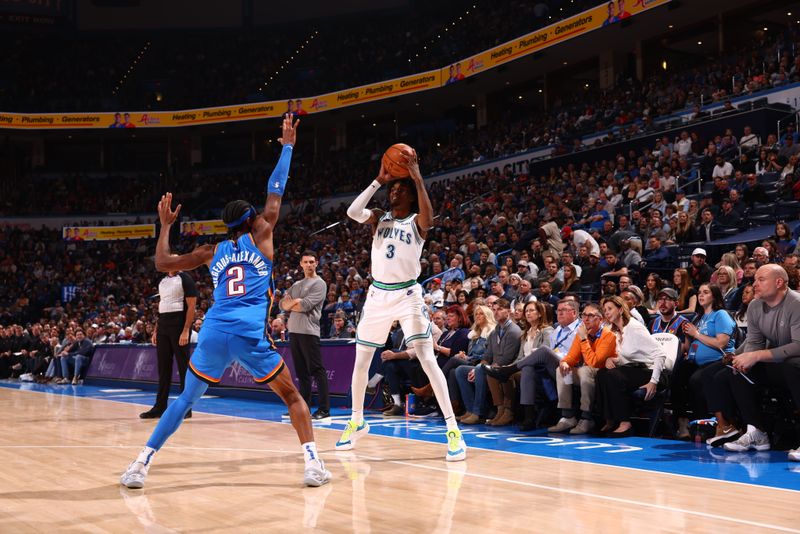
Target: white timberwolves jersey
x,y
396,249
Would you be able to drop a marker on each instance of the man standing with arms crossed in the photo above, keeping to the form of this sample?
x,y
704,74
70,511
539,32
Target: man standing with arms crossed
x,y
304,302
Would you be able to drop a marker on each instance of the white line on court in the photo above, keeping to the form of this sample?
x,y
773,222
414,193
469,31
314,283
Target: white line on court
x,y
545,487
416,440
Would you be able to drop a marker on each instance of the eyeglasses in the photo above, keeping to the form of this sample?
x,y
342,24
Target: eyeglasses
x,y
563,310
589,315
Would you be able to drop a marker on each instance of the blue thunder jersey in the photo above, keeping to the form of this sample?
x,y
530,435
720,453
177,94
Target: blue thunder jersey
x,y
243,289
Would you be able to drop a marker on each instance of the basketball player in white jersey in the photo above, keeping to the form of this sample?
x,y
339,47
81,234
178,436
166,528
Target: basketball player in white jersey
x,y
395,295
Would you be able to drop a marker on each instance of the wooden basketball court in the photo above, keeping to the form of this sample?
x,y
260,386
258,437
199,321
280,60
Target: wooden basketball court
x,y
62,457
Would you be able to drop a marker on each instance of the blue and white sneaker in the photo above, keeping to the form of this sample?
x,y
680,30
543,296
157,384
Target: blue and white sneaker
x,y
352,432
135,475
315,474
456,448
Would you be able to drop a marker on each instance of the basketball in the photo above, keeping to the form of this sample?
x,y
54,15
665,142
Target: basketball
x,y
393,160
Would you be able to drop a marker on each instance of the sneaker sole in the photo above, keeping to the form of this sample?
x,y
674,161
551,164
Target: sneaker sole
x,y
764,447
353,438
315,483
133,485
457,457
722,440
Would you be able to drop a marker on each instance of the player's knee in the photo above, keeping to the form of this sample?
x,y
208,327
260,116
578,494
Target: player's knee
x,y
424,349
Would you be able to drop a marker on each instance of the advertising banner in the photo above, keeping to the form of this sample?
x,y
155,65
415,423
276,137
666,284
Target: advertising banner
x,y
198,228
139,363
108,233
574,26
571,27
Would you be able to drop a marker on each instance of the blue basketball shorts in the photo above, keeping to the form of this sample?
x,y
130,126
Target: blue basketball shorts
x,y
217,350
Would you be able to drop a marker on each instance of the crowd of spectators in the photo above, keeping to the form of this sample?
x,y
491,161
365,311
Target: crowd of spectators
x,y
628,110
188,69
551,258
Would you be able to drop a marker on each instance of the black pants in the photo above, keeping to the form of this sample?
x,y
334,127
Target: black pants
x,y
396,372
307,365
689,385
166,347
615,388
731,392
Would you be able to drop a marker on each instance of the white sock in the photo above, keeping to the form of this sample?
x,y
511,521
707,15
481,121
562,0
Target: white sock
x,y
374,380
427,359
396,399
146,456
358,384
309,451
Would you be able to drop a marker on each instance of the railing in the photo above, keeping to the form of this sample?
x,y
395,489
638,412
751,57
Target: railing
x,y
501,254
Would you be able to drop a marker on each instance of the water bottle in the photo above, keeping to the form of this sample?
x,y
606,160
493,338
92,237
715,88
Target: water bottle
x,y
411,403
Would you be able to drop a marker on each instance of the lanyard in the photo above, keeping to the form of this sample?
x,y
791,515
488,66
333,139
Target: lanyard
x,y
560,340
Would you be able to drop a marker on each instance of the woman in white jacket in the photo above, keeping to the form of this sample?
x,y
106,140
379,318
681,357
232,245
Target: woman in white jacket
x,y
638,365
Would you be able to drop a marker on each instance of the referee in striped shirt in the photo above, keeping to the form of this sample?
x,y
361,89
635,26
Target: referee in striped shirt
x,y
178,294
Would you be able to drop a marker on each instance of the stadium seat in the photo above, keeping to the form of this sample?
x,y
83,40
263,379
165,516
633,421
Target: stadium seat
x,y
653,409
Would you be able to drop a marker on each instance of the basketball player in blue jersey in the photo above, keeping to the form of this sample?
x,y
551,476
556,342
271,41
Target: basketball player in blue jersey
x,y
236,326
398,237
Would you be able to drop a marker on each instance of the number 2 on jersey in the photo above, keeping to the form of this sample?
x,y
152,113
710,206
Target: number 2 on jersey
x,y
235,285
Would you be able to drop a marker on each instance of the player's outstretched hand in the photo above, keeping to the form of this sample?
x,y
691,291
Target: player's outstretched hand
x,y
165,213
288,130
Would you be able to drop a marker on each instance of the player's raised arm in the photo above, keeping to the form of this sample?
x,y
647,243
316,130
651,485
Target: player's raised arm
x,y
358,209
425,217
165,260
277,181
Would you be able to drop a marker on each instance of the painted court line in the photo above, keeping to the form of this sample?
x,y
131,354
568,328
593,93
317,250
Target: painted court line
x,y
342,419
604,497
620,500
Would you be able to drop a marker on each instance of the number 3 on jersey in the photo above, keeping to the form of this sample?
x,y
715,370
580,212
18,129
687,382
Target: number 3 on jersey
x,y
235,277
390,251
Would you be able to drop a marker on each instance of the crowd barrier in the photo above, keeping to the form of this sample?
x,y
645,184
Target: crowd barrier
x,y
137,363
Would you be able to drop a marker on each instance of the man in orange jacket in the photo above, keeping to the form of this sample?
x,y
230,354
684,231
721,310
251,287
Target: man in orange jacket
x,y
592,346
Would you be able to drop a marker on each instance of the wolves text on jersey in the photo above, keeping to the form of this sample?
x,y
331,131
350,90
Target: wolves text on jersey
x,y
394,233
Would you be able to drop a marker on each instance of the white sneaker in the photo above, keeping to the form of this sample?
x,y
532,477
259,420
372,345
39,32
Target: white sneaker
x,y
752,439
456,447
352,432
134,477
565,424
794,455
315,474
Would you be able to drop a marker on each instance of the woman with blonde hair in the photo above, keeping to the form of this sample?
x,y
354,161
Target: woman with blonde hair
x,y
729,259
726,280
638,365
536,330
687,296
483,322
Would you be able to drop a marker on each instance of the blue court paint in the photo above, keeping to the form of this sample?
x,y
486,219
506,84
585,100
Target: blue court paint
x,y
770,469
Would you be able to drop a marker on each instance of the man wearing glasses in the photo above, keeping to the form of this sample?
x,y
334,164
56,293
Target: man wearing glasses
x,y
592,346
541,364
